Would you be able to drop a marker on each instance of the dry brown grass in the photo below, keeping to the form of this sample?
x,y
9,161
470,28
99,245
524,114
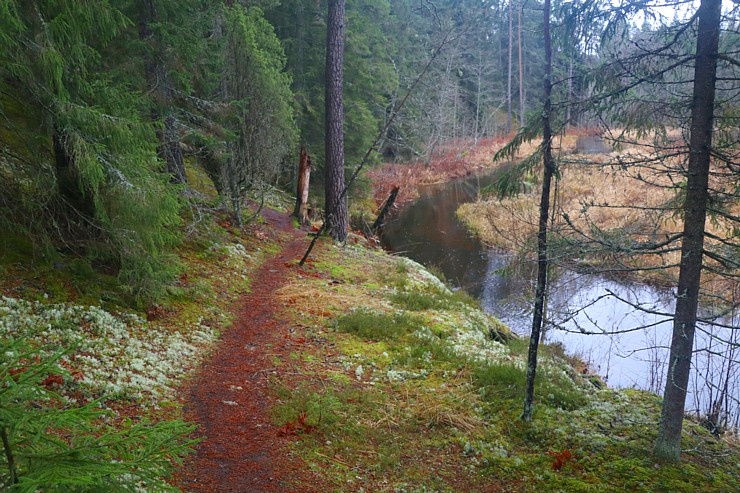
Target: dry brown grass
x,y
446,409
455,160
632,205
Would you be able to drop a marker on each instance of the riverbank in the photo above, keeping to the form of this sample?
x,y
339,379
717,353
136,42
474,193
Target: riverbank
x,y
606,217
609,306
456,160
597,213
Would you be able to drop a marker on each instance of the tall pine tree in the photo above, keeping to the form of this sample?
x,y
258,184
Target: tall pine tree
x,y
336,196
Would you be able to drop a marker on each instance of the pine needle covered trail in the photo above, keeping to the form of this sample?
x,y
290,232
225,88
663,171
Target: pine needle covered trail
x,y
230,399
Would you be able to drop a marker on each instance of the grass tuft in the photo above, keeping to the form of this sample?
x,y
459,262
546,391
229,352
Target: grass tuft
x,y
378,326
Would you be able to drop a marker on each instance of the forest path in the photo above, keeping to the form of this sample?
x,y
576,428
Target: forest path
x,y
231,397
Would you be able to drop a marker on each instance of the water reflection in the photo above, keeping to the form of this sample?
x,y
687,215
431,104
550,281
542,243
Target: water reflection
x,y
621,330
428,231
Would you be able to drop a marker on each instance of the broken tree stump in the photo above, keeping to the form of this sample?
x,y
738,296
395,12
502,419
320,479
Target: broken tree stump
x,y
386,209
304,175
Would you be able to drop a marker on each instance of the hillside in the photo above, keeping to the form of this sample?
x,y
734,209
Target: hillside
x,y
363,373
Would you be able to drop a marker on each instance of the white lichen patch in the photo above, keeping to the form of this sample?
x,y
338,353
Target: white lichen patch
x,y
107,353
393,375
235,256
419,277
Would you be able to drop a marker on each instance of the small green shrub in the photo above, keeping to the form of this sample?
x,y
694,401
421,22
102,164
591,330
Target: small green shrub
x,y
416,301
507,381
437,272
462,296
304,410
378,326
402,267
51,445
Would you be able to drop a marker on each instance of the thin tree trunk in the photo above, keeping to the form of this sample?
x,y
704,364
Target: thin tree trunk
x,y
476,130
668,444
542,261
336,201
509,71
522,109
170,150
386,209
454,113
9,457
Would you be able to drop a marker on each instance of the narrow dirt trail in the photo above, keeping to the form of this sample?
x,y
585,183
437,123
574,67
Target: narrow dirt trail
x,y
230,399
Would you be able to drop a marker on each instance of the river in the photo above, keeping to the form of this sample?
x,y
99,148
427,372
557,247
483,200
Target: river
x,y
632,321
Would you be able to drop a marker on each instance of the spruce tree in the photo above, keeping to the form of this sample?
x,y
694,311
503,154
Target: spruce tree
x,y
81,136
695,206
256,90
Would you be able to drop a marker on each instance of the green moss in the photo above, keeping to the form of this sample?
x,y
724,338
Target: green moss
x,y
378,326
199,180
416,300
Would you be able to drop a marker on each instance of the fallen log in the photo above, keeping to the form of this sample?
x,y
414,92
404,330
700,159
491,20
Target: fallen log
x,y
386,209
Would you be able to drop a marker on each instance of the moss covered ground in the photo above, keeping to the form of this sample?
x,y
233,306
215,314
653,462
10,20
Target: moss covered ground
x,y
407,386
395,383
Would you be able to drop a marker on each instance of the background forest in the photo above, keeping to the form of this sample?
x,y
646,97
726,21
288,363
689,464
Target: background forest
x,y
106,106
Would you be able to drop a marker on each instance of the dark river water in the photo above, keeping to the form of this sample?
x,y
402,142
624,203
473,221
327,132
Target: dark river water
x,y
632,321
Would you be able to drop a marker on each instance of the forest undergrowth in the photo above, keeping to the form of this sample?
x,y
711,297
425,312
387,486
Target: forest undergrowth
x,y
395,383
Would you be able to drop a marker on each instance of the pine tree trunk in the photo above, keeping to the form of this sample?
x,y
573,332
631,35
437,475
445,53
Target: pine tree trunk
x,y
336,198
542,261
668,445
509,70
522,109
